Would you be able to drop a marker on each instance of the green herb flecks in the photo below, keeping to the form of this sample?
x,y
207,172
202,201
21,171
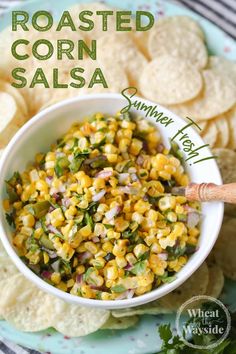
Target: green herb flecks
x,y
39,209
119,288
61,165
10,219
139,268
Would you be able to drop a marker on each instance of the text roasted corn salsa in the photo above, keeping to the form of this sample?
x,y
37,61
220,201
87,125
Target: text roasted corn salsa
x,y
94,216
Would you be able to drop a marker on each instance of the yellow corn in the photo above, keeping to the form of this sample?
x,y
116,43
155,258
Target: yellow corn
x,y
56,278
139,250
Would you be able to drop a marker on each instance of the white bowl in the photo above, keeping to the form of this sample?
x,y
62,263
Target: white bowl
x,y
50,124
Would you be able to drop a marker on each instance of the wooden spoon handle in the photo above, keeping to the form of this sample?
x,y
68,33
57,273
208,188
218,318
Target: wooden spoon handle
x,y
206,192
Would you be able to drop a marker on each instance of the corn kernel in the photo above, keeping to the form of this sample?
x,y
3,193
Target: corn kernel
x,y
38,233
135,147
165,175
111,234
155,188
17,205
121,262
181,199
80,269
171,216
141,206
91,247
50,156
86,291
194,232
57,217
28,220
146,279
119,250
166,203
121,224
131,259
86,181
98,262
139,250
106,296
99,183
85,231
124,144
107,247
45,257
41,186
56,278
70,283
6,204
159,161
143,289
137,217
66,251
18,240
111,273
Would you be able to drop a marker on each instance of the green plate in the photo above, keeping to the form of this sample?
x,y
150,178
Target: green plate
x,y
143,338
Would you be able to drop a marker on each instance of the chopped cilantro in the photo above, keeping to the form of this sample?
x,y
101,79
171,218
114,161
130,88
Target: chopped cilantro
x,y
139,268
10,219
119,288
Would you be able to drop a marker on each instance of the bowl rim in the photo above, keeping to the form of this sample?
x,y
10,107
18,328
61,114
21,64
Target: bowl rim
x,y
96,303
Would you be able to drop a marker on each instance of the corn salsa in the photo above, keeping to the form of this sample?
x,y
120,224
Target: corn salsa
x,y
95,216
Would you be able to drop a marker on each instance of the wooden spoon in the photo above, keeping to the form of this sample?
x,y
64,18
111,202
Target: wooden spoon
x,y
208,192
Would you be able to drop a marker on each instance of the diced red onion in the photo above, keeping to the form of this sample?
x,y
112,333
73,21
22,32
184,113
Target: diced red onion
x,y
112,213
104,174
193,219
49,180
46,274
99,195
140,160
79,278
56,196
160,147
94,287
53,229
66,202
128,266
134,177
95,239
130,293
126,295
163,256
82,257
145,146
